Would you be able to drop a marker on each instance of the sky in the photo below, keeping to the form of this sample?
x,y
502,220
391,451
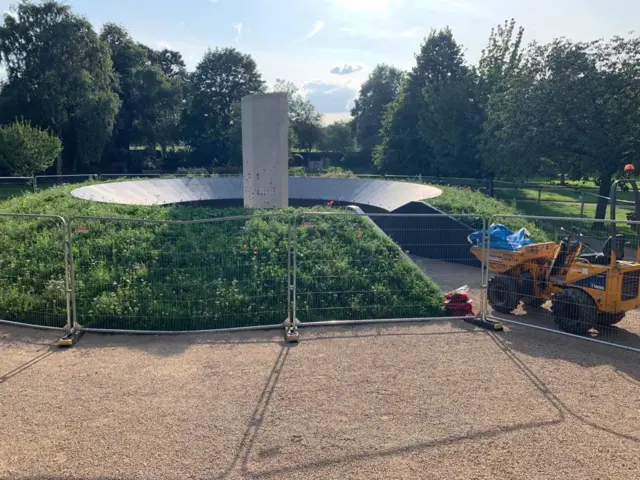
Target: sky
x,y
329,47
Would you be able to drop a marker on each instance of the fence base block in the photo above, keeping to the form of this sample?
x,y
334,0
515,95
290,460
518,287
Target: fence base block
x,y
70,339
292,335
486,324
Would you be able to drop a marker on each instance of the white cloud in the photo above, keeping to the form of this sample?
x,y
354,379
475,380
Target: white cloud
x,y
329,118
411,32
370,32
238,28
383,7
345,70
164,45
464,7
330,97
319,26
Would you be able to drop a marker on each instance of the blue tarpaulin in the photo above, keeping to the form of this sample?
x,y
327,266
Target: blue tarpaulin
x,y
502,238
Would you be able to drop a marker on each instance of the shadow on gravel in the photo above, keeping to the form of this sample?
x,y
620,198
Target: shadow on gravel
x,y
41,355
556,346
546,391
244,449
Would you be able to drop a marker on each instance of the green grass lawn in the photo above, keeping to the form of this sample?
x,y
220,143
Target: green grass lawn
x,y
462,200
155,276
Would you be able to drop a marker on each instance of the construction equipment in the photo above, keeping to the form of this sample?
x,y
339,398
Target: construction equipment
x,y
587,290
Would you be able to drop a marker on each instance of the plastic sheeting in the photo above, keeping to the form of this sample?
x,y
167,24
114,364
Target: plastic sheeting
x,y
501,238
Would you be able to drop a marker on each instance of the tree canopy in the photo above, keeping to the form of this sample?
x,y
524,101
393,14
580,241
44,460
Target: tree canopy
x,y
59,76
27,150
380,89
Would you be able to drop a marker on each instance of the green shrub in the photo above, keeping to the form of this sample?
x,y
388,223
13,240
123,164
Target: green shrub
x,y
26,150
158,276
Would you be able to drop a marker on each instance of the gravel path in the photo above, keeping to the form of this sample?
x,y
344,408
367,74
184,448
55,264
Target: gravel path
x,y
436,401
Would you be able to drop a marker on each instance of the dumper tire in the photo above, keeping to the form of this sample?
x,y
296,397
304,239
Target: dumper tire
x,y
533,302
609,319
502,293
574,311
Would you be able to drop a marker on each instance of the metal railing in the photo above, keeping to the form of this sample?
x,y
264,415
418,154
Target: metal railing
x,y
374,280
34,271
316,268
163,276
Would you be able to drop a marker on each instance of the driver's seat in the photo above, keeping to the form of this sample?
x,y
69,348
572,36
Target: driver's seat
x,y
604,258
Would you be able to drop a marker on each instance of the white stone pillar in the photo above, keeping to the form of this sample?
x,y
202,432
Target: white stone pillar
x,y
265,150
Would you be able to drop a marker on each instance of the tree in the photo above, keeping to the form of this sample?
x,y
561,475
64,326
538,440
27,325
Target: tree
x,y
305,126
27,150
59,76
219,82
128,58
575,107
500,67
431,127
380,89
451,119
338,137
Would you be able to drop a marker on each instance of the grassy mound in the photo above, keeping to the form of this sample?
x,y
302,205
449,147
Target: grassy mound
x,y
457,200
199,275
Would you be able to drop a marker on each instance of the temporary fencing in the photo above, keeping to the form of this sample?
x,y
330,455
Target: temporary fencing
x,y
34,271
579,277
176,276
40,182
12,186
356,268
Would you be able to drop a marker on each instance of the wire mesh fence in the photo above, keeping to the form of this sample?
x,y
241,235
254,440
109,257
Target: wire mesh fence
x,y
175,276
14,186
43,182
34,270
352,267
578,276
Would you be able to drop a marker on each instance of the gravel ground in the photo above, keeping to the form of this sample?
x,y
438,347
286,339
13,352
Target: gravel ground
x,y
436,401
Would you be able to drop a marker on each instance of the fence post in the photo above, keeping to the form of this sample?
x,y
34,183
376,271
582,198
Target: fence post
x,y
72,277
539,194
35,184
581,205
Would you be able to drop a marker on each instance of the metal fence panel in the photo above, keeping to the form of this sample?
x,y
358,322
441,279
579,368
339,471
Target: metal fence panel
x,y
351,267
42,182
14,186
179,276
34,276
581,277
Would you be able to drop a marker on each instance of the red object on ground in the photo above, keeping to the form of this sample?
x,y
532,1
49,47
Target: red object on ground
x,y
629,167
458,304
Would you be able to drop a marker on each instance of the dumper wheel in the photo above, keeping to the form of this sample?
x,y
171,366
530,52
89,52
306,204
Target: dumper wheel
x,y
609,319
533,302
574,311
502,293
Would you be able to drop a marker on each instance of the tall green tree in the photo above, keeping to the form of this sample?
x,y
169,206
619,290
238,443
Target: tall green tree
x,y
451,118
338,137
151,87
219,82
60,77
27,150
576,107
128,59
431,127
500,68
380,89
305,125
